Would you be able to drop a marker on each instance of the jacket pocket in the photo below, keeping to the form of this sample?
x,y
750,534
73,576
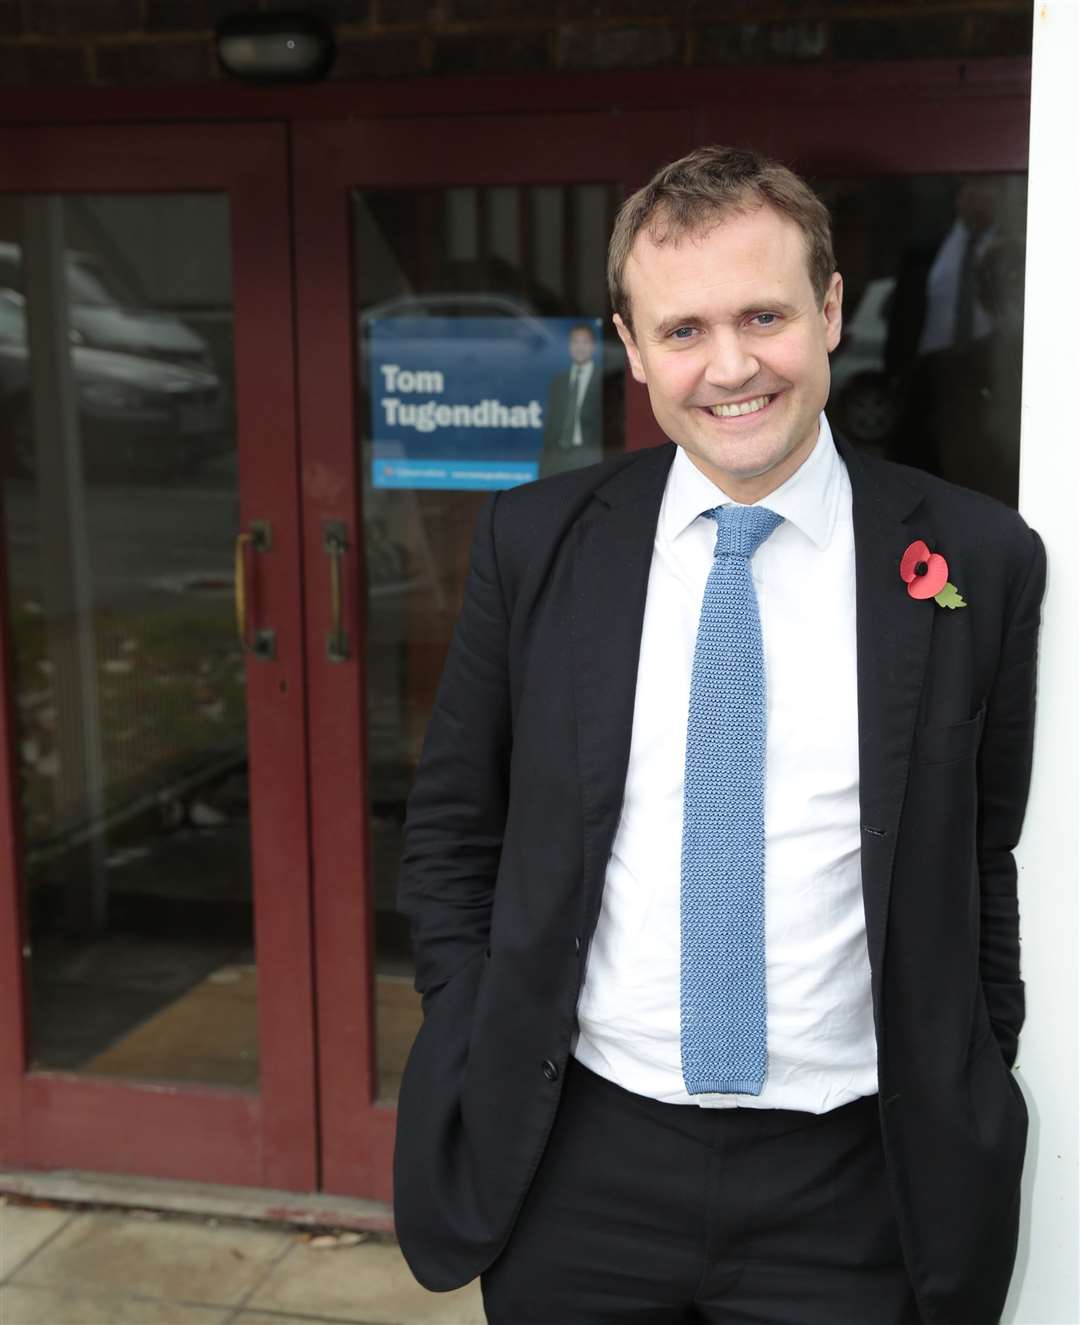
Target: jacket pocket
x,y
947,743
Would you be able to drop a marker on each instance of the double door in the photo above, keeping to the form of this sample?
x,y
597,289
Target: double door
x,y
254,382
224,614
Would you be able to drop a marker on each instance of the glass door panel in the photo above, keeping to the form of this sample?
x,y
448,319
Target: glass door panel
x,y
120,511
157,1003
928,370
486,357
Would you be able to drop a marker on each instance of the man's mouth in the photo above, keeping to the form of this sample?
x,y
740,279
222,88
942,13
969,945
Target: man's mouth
x,y
740,408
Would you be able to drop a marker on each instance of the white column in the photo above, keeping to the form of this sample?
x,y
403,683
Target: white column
x,y
1046,1290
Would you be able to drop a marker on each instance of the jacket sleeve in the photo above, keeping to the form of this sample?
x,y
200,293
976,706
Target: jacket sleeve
x,y
1004,776
457,807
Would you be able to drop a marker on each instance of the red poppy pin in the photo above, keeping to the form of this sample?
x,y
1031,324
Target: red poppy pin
x,y
926,575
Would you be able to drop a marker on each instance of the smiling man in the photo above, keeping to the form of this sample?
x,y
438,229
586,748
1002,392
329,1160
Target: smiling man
x,y
709,854
732,342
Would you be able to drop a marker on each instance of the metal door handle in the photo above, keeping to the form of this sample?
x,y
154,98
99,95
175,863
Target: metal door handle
x,y
335,542
240,588
264,643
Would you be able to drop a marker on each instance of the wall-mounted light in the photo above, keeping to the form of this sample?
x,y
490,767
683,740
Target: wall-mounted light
x,y
275,48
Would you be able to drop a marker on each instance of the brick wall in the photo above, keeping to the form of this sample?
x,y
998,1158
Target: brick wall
x,y
130,42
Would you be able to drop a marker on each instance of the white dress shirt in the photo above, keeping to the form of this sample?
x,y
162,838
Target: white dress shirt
x,y
821,1048
584,376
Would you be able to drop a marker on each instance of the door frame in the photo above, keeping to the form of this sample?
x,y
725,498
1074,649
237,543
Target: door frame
x,y
945,83
842,137
330,159
59,1119
834,119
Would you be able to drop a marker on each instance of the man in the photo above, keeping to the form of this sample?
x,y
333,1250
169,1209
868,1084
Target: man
x,y
709,855
573,425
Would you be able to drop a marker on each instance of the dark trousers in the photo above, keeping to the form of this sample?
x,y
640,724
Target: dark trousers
x,y
650,1212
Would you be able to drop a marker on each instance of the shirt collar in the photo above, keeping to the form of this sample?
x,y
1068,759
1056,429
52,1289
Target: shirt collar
x,y
808,499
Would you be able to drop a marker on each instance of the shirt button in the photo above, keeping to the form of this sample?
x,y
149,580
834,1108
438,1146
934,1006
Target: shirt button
x,y
550,1070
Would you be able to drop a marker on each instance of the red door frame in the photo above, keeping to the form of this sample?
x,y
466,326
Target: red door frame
x,y
843,136
828,120
61,1120
330,159
746,92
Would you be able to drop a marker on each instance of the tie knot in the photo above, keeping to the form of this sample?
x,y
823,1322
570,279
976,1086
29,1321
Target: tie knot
x,y
741,530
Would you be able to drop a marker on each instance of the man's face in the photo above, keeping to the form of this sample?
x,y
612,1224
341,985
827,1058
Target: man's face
x,y
582,345
727,318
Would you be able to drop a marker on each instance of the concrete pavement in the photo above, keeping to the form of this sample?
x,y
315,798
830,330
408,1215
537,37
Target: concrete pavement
x,y
71,1266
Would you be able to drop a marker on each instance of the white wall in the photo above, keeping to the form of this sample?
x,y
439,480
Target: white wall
x,y
1046,1290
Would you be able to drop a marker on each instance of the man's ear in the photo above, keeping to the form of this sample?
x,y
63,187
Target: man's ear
x,y
627,338
831,311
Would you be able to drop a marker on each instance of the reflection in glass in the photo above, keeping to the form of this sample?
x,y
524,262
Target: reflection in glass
x,y
928,371
120,506
503,273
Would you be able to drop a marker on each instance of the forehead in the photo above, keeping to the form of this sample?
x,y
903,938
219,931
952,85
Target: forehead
x,y
744,256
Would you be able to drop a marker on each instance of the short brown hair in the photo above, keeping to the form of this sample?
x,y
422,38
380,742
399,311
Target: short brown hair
x,y
699,191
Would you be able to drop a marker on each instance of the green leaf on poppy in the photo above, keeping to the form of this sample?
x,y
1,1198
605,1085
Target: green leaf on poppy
x,y
949,597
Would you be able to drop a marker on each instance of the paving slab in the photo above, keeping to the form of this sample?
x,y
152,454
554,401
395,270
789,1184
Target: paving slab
x,y
169,1259
22,1231
369,1283
46,1306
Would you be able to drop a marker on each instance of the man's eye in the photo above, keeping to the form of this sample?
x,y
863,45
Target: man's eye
x,y
764,319
682,333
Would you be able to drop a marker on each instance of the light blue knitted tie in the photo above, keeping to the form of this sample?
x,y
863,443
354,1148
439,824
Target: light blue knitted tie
x,y
723,847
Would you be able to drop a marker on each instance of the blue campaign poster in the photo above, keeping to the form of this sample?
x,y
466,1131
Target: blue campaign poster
x,y
476,402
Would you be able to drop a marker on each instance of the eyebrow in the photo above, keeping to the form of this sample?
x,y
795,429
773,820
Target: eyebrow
x,y
671,324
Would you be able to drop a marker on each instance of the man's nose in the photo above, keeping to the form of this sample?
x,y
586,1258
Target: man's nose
x,y
731,363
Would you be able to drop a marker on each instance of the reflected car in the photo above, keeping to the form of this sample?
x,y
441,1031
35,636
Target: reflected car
x,y
106,314
137,416
863,403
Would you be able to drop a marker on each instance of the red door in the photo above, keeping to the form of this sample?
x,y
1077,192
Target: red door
x,y
224,610
156,1010
464,232
427,229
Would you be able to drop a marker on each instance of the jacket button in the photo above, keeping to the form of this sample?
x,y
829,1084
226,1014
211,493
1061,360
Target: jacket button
x,y
577,945
550,1070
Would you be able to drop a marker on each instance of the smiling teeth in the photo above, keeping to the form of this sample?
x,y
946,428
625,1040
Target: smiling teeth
x,y
746,407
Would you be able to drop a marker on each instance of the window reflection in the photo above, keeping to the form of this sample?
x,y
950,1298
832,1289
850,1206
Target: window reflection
x,y
119,510
928,370
506,284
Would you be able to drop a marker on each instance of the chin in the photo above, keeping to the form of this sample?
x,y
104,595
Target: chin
x,y
746,468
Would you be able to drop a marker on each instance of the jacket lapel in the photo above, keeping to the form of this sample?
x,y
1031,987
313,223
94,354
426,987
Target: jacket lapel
x,y
893,634
611,577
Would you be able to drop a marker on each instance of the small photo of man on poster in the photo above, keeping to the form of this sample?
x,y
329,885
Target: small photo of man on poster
x,y
482,402
573,419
